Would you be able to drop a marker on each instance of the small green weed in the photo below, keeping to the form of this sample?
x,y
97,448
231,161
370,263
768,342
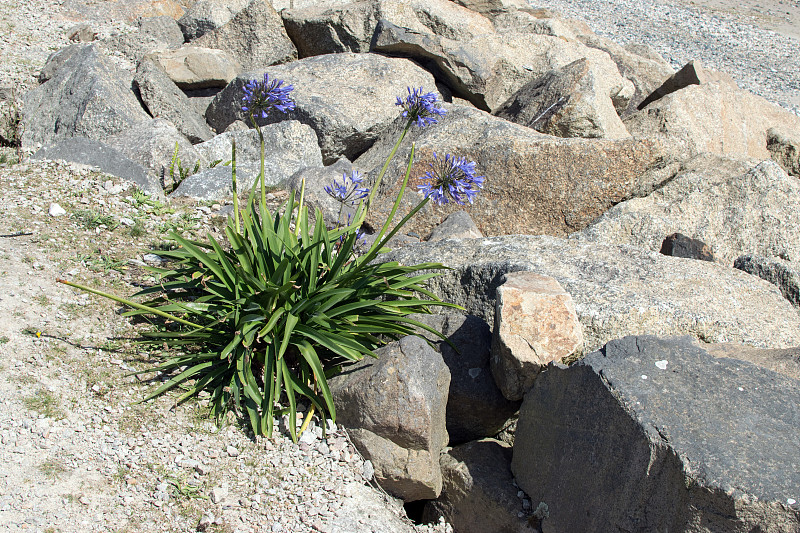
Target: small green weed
x,y
177,173
53,469
44,403
4,340
137,230
91,219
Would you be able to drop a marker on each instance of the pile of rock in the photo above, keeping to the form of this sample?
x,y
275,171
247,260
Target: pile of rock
x,y
597,157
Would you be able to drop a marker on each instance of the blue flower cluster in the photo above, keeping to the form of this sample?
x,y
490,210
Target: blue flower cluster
x,y
451,177
261,96
420,108
348,191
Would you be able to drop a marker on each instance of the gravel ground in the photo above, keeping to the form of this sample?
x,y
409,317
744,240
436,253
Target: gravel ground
x,y
732,38
78,453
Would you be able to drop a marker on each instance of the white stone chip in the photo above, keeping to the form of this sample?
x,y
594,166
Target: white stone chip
x,y
56,210
662,364
791,501
644,376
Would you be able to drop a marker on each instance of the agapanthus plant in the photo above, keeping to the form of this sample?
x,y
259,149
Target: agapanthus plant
x,y
269,316
451,178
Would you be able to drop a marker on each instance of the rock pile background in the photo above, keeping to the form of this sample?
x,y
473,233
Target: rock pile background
x,y
603,158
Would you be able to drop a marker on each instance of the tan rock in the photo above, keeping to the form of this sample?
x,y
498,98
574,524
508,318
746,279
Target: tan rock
x,y
195,67
715,116
535,324
693,73
574,101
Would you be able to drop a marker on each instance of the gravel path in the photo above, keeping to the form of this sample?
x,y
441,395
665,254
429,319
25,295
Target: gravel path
x,y
734,39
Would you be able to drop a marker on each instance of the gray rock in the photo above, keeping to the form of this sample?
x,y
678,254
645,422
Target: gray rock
x,y
165,100
457,225
57,59
326,90
490,8
735,206
617,290
254,37
193,67
152,145
326,29
316,179
784,148
365,511
104,157
479,494
289,147
395,410
657,435
562,183
783,274
204,16
87,96
162,28
475,406
573,101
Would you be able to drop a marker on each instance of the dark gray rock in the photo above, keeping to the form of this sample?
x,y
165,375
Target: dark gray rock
x,y
653,434
617,290
533,184
163,29
254,37
784,148
738,206
288,148
165,100
680,245
327,91
783,274
475,406
479,494
104,157
87,96
394,408
57,59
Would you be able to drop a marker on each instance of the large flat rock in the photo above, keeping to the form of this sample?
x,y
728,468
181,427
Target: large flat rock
x,y
617,290
653,434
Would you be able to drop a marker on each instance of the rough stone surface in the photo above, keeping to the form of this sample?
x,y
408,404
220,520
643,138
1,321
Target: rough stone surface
x,y
653,434
102,156
475,406
254,37
162,28
715,117
57,59
693,73
206,15
735,206
193,67
152,145
680,245
88,96
395,406
617,290
165,100
289,147
324,29
573,101
535,324
488,68
493,7
786,362
783,274
533,184
457,225
325,89
784,148
479,494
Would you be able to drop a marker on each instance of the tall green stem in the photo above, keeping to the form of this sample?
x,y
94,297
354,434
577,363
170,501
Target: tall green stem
x,y
235,191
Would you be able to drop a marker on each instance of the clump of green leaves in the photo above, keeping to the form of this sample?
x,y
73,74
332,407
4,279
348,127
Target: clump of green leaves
x,y
177,172
11,127
91,219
